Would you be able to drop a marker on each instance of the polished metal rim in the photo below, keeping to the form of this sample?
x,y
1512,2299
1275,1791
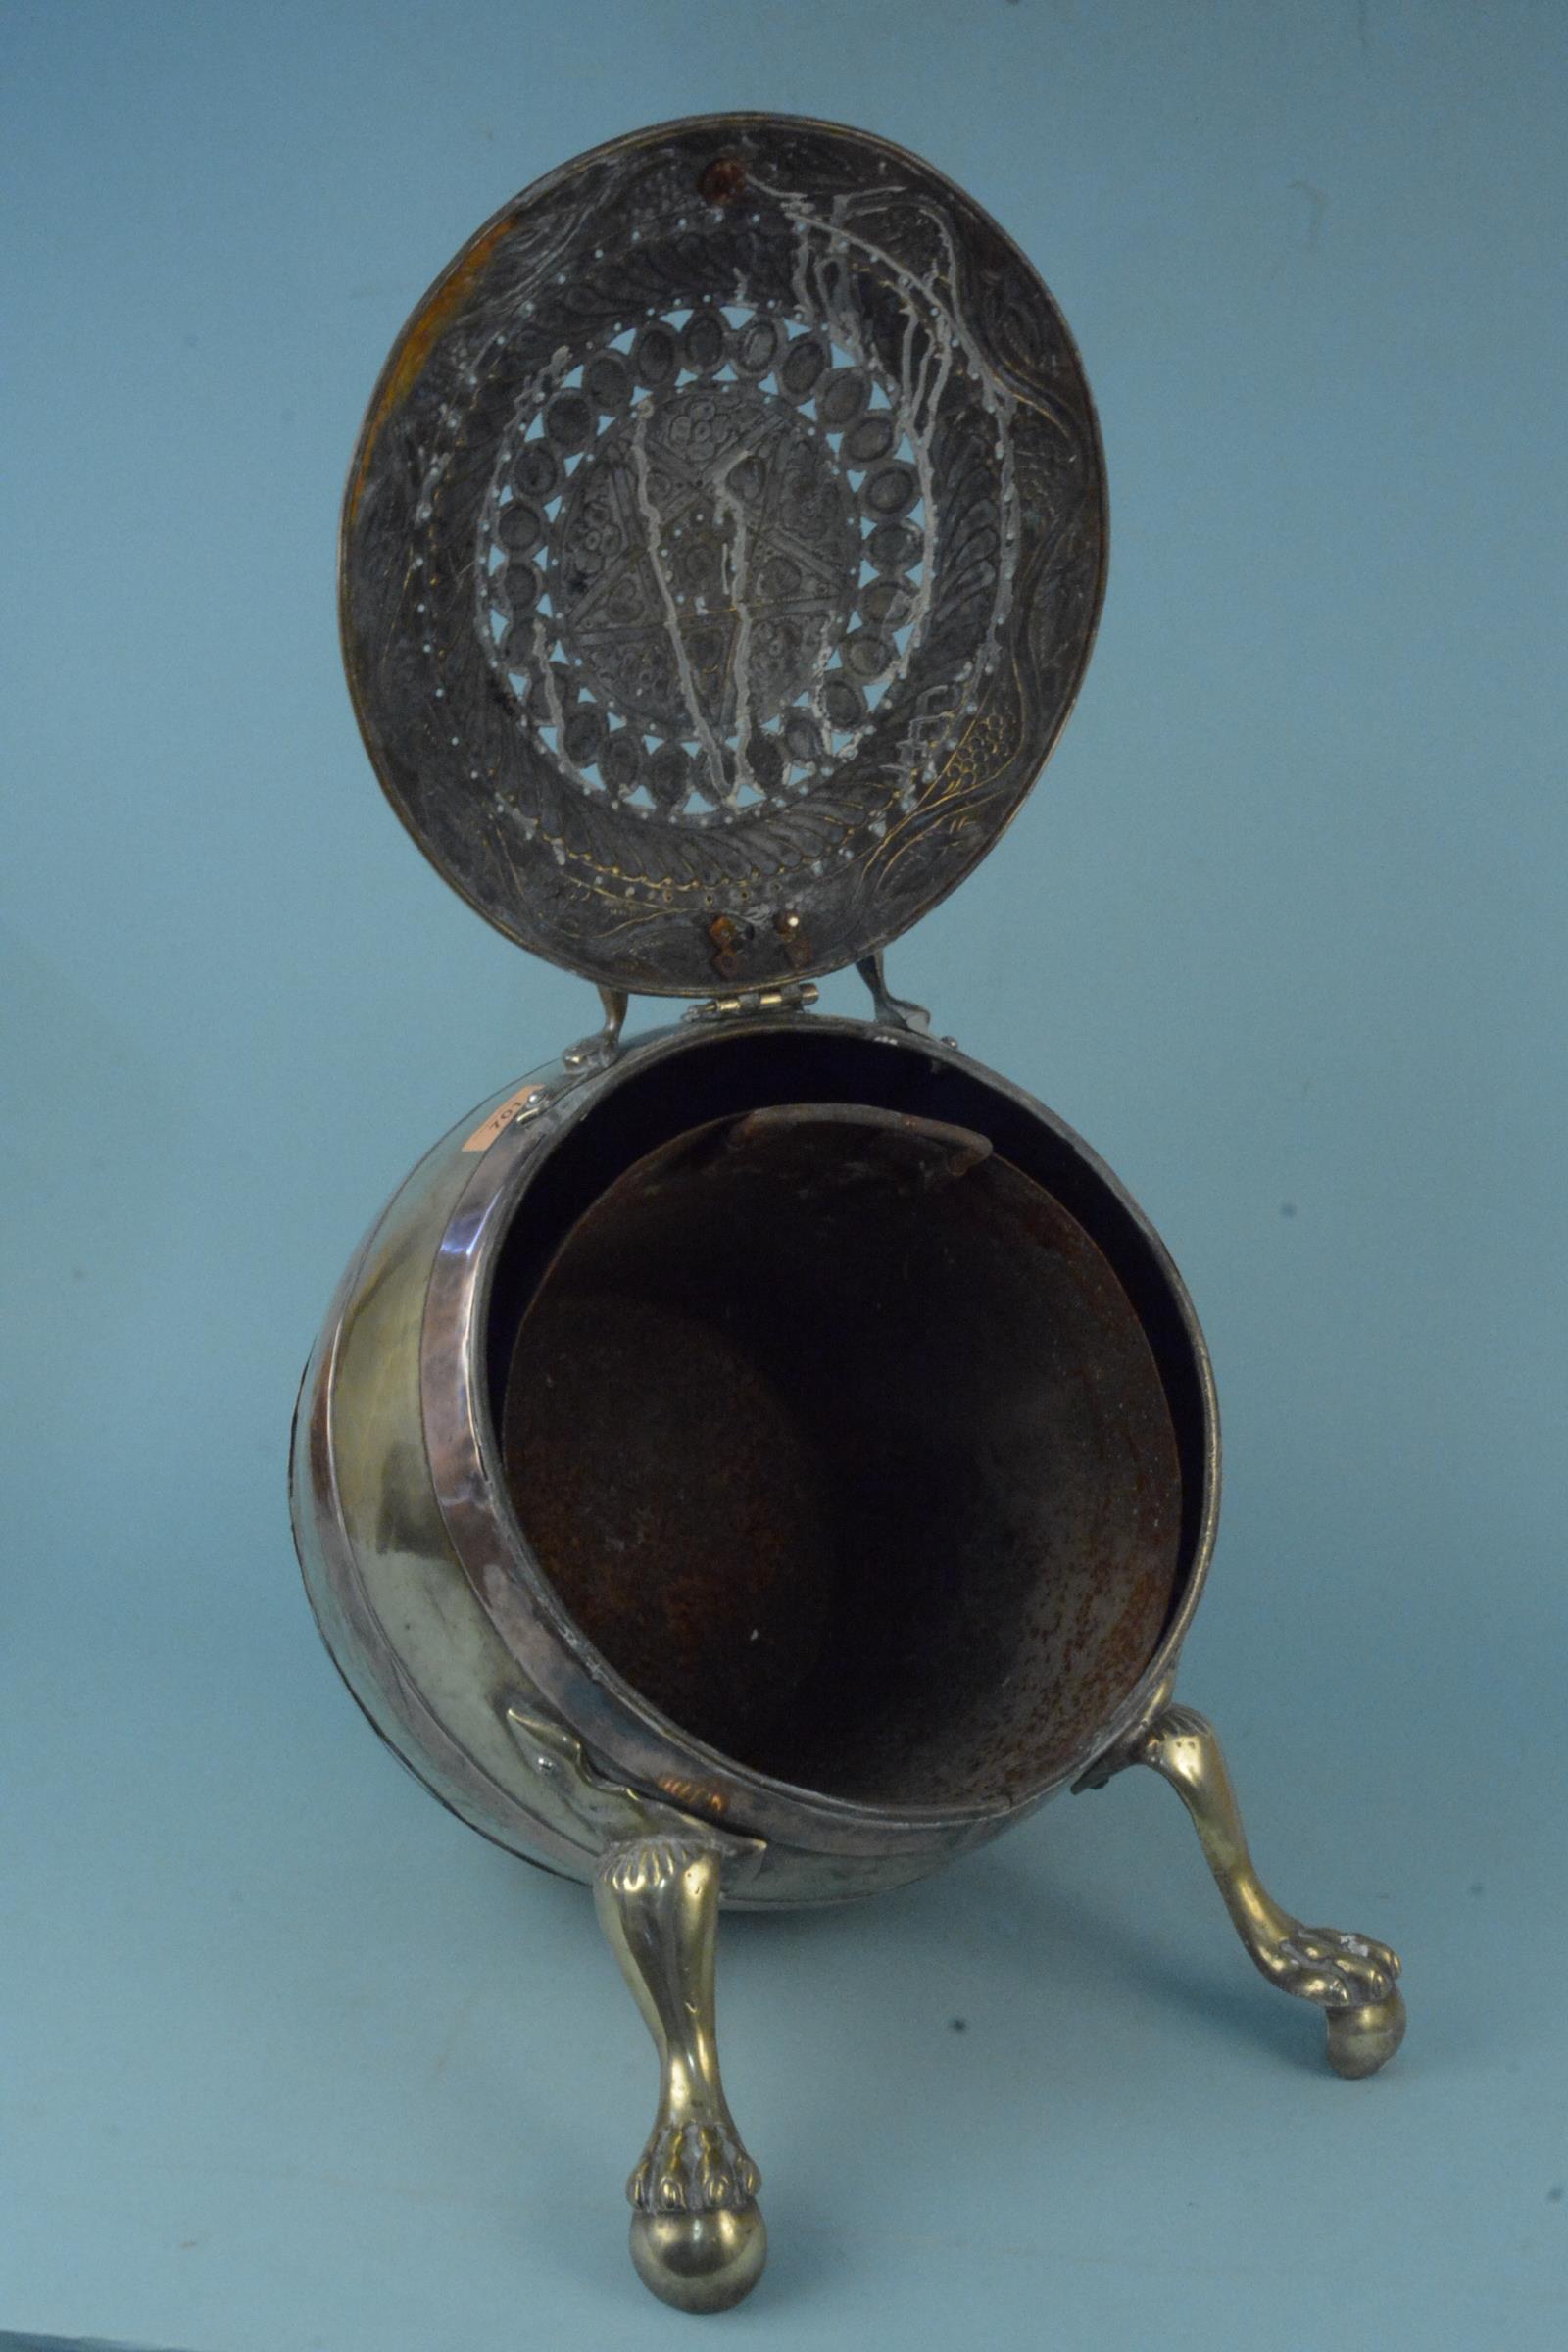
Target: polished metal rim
x,y
614,1721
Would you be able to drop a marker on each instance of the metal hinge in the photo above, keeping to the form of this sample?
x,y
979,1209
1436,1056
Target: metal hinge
x,y
793,996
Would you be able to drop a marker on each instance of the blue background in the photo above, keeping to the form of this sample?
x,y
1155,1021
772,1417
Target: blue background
x,y
298,2063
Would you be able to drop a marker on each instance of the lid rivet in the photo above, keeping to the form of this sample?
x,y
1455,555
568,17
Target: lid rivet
x,y
726,935
791,931
724,180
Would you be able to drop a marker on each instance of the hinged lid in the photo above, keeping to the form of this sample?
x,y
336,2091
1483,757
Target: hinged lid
x,y
722,553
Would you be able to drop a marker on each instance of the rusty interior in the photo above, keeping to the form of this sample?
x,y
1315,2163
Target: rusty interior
x,y
841,1436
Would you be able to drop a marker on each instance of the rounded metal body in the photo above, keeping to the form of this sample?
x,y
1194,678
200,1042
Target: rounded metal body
x,y
431,1599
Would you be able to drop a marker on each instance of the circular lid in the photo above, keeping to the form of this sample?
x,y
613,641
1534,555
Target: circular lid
x,y
721,552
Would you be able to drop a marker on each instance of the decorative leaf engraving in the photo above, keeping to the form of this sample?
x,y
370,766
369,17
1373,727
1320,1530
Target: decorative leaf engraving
x,y
722,558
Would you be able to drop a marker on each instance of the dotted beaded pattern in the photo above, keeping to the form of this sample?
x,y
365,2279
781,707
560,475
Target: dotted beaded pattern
x,y
721,553
701,562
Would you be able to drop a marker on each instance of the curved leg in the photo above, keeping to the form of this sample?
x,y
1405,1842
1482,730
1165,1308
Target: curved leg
x,y
696,2236
894,1012
592,1052
1351,1978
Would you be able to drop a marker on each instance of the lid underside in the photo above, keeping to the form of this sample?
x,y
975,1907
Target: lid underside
x,y
722,553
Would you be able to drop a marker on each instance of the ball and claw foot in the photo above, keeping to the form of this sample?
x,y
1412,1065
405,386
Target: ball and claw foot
x,y
1364,2038
698,2238
700,2261
1351,1978
696,2165
1354,1982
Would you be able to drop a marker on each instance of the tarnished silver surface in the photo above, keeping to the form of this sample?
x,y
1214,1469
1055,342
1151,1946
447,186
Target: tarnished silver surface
x,y
722,553
436,1609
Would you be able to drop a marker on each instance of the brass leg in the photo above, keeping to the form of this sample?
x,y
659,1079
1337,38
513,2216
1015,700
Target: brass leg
x,y
1351,1978
696,2236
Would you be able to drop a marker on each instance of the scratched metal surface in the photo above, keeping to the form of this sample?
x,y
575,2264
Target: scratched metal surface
x,y
722,553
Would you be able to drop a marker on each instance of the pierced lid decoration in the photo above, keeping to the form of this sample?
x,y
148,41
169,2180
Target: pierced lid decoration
x,y
722,553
